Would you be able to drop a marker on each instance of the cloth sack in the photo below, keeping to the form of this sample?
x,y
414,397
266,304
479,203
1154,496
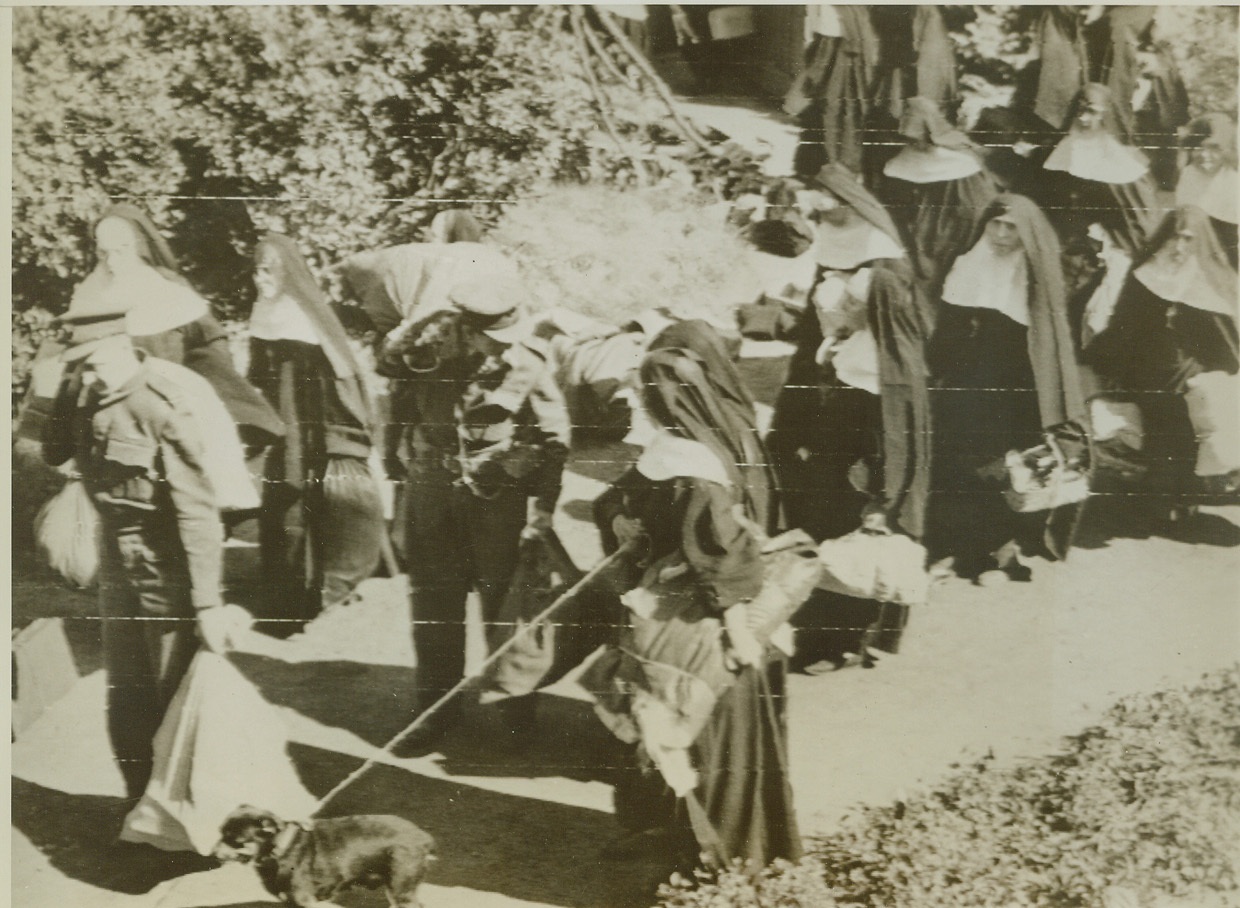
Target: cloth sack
x,y
66,531
1118,420
875,564
406,283
220,746
1213,400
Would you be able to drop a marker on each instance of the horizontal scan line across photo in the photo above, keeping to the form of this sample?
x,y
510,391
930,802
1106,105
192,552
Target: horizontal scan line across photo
x,y
602,456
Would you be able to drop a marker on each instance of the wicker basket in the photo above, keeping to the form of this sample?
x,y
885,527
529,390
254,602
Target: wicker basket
x,y
1041,479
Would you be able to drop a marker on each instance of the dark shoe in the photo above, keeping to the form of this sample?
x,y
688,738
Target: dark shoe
x,y
1021,573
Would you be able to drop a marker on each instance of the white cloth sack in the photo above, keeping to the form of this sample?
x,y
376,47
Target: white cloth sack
x,y
886,567
1213,400
223,456
66,531
220,746
1119,420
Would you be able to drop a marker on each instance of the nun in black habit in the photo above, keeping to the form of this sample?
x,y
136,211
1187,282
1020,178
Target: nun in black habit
x,y
176,325
321,527
1094,176
698,491
850,433
1175,320
1005,370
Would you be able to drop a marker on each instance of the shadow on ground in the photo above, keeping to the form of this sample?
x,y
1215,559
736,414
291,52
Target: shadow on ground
x,y
78,833
372,701
569,743
536,850
1130,516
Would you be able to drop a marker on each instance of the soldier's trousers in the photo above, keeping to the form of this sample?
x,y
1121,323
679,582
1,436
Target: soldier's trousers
x,y
455,542
149,639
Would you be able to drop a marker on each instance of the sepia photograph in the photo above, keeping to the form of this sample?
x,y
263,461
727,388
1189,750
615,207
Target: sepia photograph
x,y
625,456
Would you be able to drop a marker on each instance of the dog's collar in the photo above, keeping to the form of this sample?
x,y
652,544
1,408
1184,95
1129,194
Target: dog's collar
x,y
285,839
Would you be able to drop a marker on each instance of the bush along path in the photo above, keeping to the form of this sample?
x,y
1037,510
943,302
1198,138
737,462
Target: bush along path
x,y
1139,811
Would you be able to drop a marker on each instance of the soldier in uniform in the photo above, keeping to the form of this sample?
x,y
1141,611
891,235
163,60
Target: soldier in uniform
x,y
485,431
140,455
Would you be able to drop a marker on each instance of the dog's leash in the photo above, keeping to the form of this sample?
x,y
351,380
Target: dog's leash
x,y
461,685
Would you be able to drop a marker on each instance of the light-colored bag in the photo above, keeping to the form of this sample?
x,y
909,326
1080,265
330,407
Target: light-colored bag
x,y
66,531
220,746
1213,400
875,564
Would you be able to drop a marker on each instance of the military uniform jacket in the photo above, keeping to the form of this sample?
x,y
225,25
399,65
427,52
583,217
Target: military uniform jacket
x,y
499,422
140,454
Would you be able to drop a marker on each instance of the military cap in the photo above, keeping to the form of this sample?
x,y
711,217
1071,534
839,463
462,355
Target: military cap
x,y
494,305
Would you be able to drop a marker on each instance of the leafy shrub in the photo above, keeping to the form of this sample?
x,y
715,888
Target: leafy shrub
x,y
340,126
1141,807
1148,800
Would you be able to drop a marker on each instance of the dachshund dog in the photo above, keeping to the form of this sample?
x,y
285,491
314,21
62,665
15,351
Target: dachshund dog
x,y
308,864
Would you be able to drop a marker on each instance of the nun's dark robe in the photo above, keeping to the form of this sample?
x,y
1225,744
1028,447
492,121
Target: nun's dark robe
x,y
1129,211
939,220
741,753
1148,358
832,98
857,451
985,404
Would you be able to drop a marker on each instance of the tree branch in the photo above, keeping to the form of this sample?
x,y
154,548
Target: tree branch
x,y
660,86
576,17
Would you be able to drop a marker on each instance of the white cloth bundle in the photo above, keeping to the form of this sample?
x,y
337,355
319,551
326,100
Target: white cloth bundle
x,y
1213,400
885,567
1119,420
220,746
66,531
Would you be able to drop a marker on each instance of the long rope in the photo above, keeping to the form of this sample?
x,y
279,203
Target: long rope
x,y
500,650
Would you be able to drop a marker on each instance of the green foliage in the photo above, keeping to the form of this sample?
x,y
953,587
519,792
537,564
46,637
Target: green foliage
x,y
1202,39
337,125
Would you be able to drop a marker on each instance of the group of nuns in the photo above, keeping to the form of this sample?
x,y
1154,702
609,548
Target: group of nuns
x,y
969,300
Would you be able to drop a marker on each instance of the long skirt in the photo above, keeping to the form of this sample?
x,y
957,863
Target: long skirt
x,y
742,807
319,541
